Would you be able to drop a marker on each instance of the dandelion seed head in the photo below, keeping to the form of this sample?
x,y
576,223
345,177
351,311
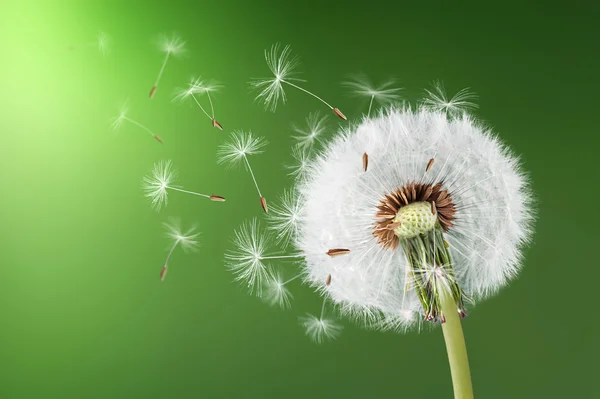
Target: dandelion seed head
x,y
172,45
246,259
436,100
157,183
320,329
482,200
282,65
239,146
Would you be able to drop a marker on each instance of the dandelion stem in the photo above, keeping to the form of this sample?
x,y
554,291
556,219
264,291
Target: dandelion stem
x,y
201,107
170,253
457,350
280,257
252,173
323,308
308,92
292,279
370,105
139,125
188,192
162,68
212,109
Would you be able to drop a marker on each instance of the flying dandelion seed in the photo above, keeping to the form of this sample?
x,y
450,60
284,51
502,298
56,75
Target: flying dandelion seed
x,y
301,162
196,86
436,100
170,46
102,42
384,94
320,329
117,123
248,260
237,149
284,217
282,65
187,240
161,180
312,133
438,222
276,292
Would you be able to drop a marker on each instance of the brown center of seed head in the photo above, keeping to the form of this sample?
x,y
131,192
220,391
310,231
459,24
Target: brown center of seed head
x,y
391,203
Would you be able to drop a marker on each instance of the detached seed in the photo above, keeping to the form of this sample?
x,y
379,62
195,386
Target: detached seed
x,y
337,252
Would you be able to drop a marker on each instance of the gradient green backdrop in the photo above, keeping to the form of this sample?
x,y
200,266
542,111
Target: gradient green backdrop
x,y
82,311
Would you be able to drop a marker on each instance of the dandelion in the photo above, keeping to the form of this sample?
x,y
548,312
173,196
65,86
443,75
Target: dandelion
x,y
241,145
437,223
248,260
310,134
437,100
170,46
384,94
187,240
161,180
117,123
196,86
320,329
282,65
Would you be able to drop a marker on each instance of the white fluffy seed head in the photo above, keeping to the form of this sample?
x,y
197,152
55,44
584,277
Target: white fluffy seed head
x,y
490,192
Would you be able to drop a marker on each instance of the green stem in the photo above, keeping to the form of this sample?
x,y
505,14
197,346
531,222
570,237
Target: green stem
x,y
457,350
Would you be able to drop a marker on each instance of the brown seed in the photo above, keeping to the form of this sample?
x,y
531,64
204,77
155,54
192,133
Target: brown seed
x,y
394,226
263,203
339,113
328,281
337,252
429,164
152,91
433,208
217,198
163,273
157,138
217,124
365,161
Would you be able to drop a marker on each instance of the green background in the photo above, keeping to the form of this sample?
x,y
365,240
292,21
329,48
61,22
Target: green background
x,y
82,311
